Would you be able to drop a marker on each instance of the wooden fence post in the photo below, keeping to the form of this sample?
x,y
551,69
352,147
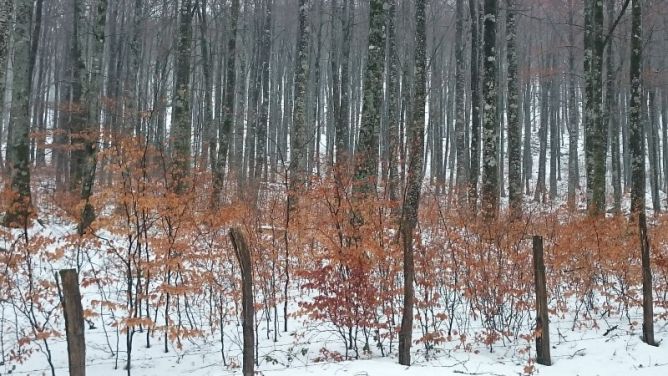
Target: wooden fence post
x,y
542,318
243,256
74,322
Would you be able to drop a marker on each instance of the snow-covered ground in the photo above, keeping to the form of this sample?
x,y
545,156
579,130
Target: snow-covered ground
x,y
581,352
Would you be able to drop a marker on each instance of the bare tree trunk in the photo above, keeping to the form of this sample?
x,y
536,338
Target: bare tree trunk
x,y
261,158
243,254
298,132
460,108
611,118
18,154
636,143
6,8
74,322
490,165
92,95
366,152
225,126
209,145
573,119
393,95
476,104
414,184
514,125
182,122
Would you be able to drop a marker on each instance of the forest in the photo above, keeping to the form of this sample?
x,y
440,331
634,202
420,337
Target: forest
x,y
361,187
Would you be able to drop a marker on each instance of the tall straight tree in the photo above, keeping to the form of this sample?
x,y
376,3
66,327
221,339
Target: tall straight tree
x,y
343,120
595,134
636,140
298,133
92,96
411,203
209,146
514,125
19,144
573,114
393,73
611,120
225,124
460,108
490,157
182,121
6,7
366,152
261,162
476,103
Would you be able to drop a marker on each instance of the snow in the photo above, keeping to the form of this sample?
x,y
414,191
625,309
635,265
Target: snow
x,y
587,352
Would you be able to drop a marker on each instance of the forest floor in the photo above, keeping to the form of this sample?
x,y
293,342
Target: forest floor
x,y
575,352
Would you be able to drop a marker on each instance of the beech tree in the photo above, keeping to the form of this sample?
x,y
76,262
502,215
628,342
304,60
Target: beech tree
x,y
411,205
182,117
636,136
514,125
366,151
18,154
490,158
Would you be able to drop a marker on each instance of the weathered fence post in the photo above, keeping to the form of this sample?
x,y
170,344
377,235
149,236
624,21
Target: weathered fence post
x,y
542,318
243,256
74,322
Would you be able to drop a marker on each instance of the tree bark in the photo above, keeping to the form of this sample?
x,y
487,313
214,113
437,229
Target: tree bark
x,y
74,322
476,104
460,108
243,254
225,126
366,152
490,161
298,132
182,121
413,184
18,154
636,145
514,125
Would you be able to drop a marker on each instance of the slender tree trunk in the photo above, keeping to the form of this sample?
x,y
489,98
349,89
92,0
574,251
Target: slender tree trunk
x,y
244,258
476,105
636,145
225,125
182,121
413,184
573,112
490,165
651,124
343,121
527,158
6,8
209,145
92,95
611,118
298,132
460,108
393,96
261,159
514,125
595,134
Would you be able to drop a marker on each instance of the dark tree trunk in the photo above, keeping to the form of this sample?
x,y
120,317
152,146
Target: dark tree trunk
x,y
413,184
636,144
490,160
514,125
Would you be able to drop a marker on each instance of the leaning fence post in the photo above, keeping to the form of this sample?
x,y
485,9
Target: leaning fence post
x,y
542,318
243,256
74,322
